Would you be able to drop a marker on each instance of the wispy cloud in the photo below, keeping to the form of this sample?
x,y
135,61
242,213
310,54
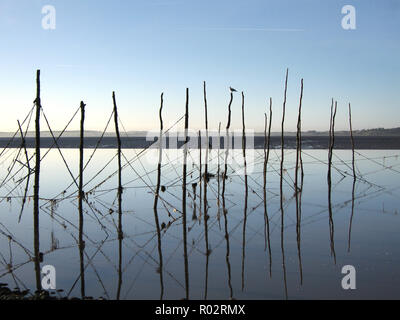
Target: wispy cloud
x,y
67,66
246,29
165,3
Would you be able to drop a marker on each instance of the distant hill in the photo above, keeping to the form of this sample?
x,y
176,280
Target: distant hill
x,y
379,132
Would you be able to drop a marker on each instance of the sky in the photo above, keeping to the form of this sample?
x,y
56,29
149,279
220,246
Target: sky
x,y
142,48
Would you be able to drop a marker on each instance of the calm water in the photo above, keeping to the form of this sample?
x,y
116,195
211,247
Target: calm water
x,y
239,263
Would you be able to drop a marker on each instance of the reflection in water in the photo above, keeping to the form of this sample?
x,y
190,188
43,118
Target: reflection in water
x,y
228,264
81,246
120,238
223,275
194,188
298,229
352,212
206,238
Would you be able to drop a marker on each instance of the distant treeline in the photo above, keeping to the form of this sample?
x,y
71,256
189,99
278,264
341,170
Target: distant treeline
x,y
376,132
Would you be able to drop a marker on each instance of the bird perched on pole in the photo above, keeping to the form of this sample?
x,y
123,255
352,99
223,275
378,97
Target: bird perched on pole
x,y
232,90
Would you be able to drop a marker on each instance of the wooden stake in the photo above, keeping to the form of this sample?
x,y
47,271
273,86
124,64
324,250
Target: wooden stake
x,y
80,203
298,144
281,184
156,196
330,153
184,221
266,157
246,190
283,140
36,185
120,189
354,178
352,144
205,181
296,187
227,145
120,233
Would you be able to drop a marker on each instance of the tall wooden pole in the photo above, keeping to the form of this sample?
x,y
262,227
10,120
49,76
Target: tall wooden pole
x,y
80,204
227,145
120,233
184,221
266,158
36,185
156,220
354,177
281,185
296,187
205,180
246,192
329,177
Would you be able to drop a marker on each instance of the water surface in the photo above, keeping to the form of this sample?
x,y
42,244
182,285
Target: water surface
x,y
305,258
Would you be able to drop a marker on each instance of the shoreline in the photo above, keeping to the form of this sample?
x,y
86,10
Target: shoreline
x,y
308,142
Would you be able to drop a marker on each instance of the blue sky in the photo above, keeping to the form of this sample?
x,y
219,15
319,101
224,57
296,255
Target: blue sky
x,y
143,48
